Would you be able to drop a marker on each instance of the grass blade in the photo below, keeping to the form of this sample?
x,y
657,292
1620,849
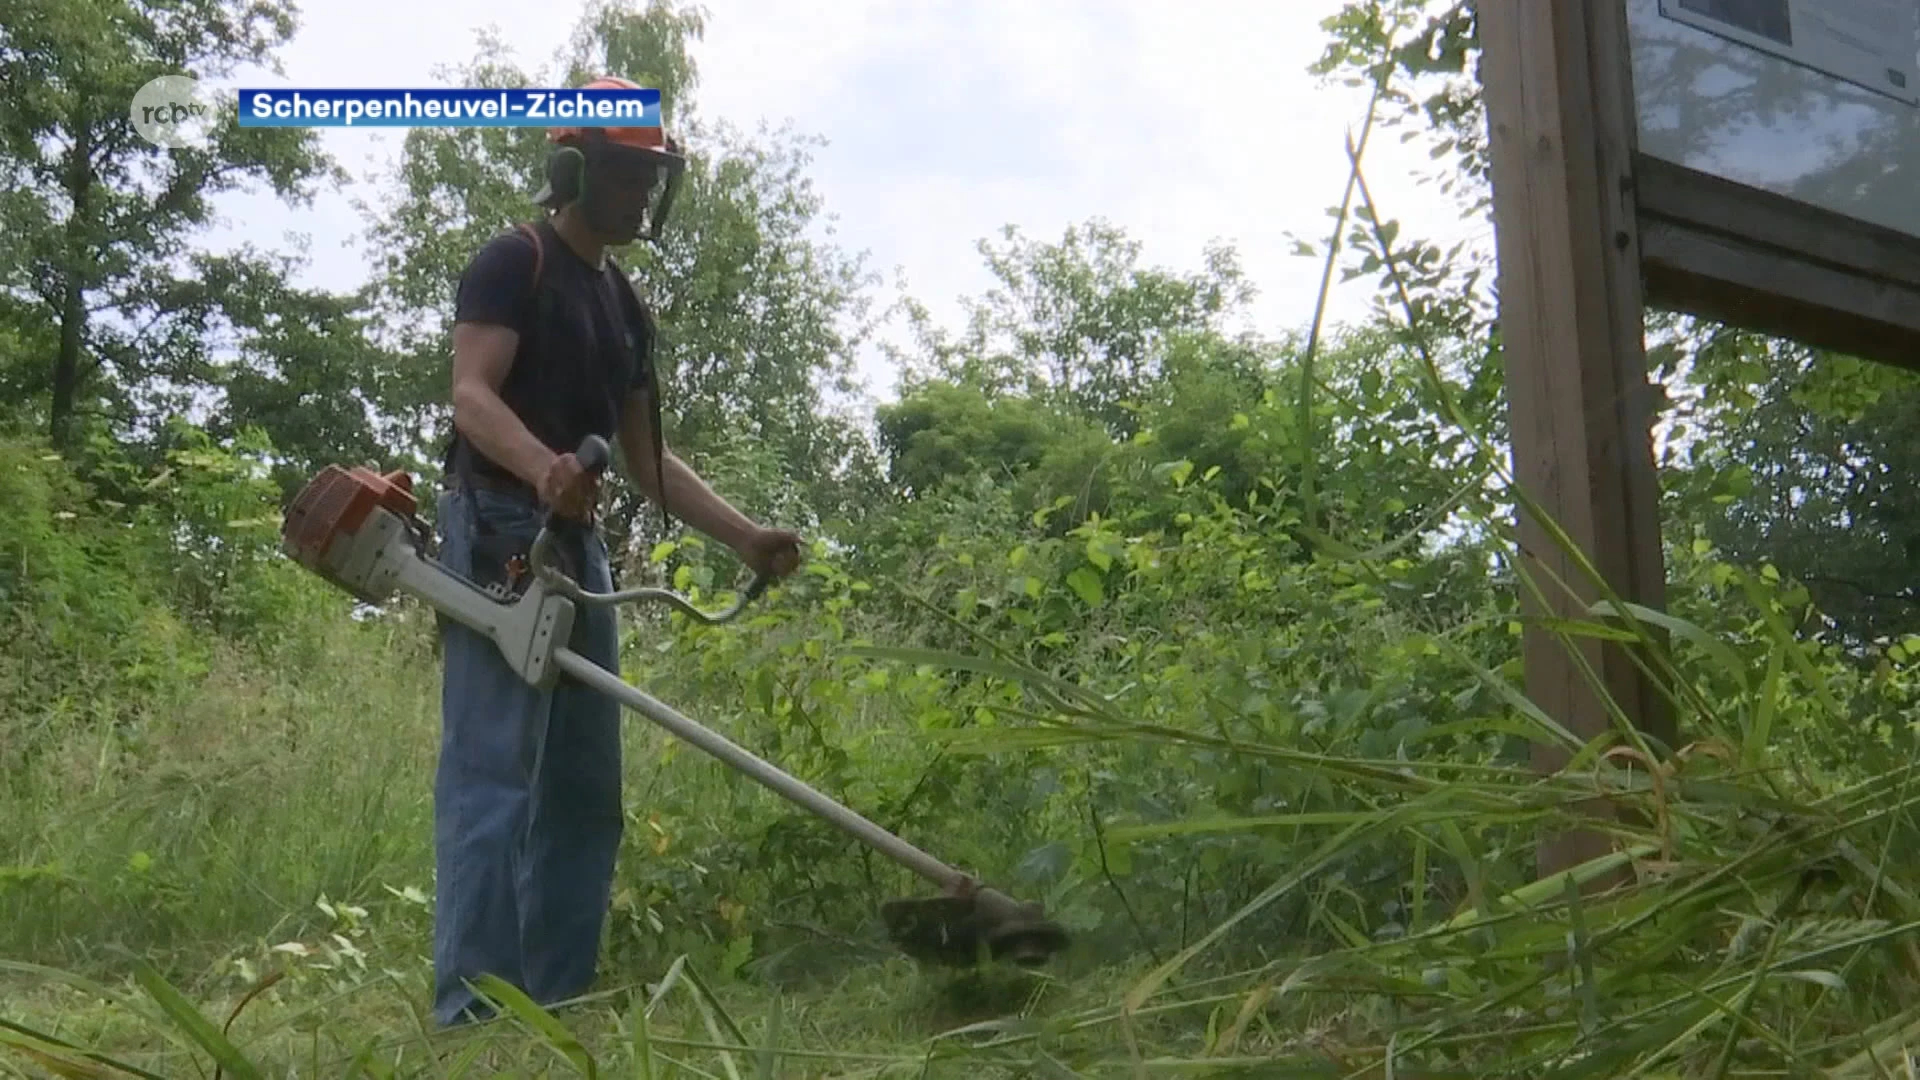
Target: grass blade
x,y
1721,653
714,1016
667,982
1091,703
1329,853
53,1057
61,1046
555,1035
640,1039
192,1022
768,1056
1753,750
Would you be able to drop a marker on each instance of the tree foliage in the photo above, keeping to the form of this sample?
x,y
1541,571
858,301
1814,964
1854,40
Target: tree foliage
x,y
1080,322
100,273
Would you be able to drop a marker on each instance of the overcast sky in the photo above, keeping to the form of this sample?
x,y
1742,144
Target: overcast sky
x,y
943,121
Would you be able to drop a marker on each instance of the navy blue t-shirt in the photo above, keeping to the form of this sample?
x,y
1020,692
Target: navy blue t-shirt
x,y
593,347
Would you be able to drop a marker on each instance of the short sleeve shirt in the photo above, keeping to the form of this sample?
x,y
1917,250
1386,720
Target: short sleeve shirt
x,y
581,352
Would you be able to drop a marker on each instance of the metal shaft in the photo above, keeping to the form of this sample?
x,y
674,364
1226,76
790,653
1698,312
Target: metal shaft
x,y
744,761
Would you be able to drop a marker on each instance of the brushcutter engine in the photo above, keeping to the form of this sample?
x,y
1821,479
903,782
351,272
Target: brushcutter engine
x,y
343,526
361,531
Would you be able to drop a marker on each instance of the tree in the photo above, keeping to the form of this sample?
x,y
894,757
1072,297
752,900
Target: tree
x,y
1155,388
1806,470
941,432
305,371
1080,322
98,220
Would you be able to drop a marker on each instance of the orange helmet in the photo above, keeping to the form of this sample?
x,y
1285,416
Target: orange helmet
x,y
575,145
653,140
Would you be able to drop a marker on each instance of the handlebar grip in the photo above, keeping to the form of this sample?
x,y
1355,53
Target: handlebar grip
x,y
594,454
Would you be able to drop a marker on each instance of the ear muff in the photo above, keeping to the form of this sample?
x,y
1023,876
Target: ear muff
x,y
566,175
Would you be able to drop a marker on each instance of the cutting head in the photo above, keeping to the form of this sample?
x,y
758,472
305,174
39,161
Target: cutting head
x,y
961,931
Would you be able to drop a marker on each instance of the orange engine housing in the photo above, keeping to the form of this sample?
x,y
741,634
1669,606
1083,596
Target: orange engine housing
x,y
336,503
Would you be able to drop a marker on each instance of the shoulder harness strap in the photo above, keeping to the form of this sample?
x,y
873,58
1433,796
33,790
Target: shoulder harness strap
x,y
648,358
539,251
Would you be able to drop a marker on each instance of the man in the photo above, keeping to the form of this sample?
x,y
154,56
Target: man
x,y
527,804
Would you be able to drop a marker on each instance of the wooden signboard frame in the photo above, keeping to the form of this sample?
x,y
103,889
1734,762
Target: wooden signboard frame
x,y
1754,259
1589,233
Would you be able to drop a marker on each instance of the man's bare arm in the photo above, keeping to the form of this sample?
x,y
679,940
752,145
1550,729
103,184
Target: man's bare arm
x,y
482,354
687,496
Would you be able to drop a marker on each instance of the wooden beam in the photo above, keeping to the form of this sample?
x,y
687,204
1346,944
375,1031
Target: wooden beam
x,y
1560,122
1726,251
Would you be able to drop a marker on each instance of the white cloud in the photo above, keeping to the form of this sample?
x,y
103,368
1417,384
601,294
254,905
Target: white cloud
x,y
1182,123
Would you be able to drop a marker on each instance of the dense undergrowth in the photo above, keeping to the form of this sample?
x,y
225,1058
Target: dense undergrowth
x,y
1277,787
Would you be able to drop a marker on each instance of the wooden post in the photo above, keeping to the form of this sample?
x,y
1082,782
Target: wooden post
x,y
1561,126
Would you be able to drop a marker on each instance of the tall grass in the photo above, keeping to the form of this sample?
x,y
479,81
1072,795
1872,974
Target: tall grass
x,y
1767,926
241,799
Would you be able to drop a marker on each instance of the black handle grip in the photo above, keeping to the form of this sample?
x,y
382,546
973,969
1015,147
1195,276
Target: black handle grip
x,y
758,587
594,454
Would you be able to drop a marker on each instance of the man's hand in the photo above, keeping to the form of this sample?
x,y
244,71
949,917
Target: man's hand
x,y
570,489
773,552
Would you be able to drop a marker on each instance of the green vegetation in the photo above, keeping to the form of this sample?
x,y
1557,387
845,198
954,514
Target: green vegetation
x,y
1208,642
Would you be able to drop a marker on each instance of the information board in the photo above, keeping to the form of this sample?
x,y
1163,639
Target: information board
x,y
1799,97
1869,43
1777,173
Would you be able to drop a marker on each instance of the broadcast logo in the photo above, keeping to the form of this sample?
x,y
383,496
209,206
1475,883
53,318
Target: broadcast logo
x,y
174,111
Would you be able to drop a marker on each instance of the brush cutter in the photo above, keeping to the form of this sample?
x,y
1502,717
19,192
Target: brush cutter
x,y
361,531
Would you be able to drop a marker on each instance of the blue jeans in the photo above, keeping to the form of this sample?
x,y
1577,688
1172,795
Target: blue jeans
x,y
527,804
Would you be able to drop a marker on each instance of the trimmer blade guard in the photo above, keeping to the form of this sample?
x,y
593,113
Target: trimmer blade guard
x,y
956,931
